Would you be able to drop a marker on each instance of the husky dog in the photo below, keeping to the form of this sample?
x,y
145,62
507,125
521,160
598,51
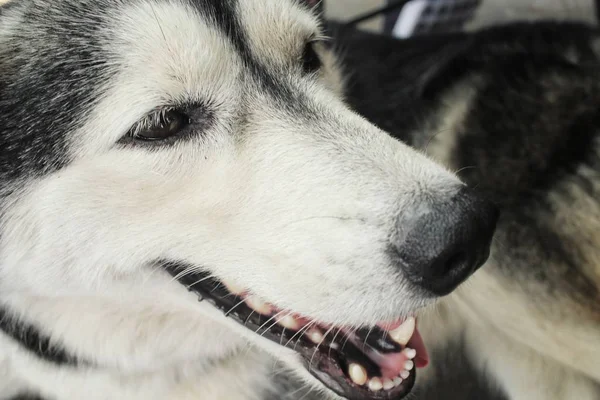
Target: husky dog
x,y
154,153
516,110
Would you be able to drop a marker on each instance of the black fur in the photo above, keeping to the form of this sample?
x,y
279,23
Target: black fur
x,y
43,96
35,341
224,15
27,396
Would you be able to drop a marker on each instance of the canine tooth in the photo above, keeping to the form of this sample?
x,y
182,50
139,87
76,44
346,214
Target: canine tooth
x,y
404,374
233,288
410,353
358,374
409,365
387,384
397,381
404,332
315,336
258,305
375,384
289,322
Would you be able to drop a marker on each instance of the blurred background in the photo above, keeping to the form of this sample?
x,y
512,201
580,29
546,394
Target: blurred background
x,y
486,12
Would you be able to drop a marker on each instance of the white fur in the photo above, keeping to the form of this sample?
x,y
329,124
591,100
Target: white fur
x,y
299,212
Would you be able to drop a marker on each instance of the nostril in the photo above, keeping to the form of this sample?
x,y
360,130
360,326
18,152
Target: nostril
x,y
442,247
456,262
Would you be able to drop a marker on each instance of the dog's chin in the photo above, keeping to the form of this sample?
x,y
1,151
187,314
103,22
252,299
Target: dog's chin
x,y
356,363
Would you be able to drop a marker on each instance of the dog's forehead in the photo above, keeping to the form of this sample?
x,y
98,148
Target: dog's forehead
x,y
171,49
206,41
71,56
173,52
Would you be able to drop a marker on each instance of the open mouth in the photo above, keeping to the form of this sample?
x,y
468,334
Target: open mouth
x,y
365,363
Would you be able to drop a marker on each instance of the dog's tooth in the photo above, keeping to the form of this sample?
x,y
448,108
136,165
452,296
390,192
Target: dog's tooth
x,y
397,381
233,288
404,332
289,322
357,373
404,374
258,305
409,365
334,345
375,384
410,353
387,384
315,336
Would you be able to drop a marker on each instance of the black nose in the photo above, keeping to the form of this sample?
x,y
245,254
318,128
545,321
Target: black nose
x,y
443,243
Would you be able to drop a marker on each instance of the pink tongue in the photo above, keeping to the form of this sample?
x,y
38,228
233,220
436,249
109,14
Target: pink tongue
x,y
390,326
416,342
392,364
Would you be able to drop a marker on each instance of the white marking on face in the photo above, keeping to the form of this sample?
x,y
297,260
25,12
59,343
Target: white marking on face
x,y
296,202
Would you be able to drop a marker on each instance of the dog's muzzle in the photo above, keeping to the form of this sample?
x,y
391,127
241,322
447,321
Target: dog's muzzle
x,y
440,247
437,247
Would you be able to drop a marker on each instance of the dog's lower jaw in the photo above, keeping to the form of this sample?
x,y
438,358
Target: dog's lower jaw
x,y
192,367
246,376
131,332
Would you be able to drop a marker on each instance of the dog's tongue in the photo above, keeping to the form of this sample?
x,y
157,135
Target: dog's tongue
x,y
393,363
416,342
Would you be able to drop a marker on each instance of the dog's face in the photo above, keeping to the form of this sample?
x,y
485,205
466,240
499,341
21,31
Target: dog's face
x,y
208,138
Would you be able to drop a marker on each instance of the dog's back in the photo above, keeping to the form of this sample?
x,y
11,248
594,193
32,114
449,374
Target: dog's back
x,y
516,110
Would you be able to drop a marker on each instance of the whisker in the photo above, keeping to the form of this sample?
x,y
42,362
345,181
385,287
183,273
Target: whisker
x,y
433,136
317,348
367,337
198,281
465,168
269,320
234,307
301,331
333,341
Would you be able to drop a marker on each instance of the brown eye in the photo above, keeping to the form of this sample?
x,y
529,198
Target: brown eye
x,y
311,62
160,125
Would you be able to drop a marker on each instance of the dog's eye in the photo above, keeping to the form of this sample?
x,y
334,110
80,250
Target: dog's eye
x,y
310,59
160,125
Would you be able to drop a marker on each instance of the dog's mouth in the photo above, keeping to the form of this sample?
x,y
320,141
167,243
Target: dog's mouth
x,y
368,363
